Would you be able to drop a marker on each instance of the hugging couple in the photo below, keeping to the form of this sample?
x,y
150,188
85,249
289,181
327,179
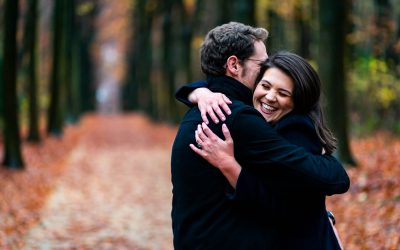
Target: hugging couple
x,y
256,176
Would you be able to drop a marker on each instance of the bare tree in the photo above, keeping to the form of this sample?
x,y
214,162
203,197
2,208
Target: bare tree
x,y
12,141
31,34
331,61
55,120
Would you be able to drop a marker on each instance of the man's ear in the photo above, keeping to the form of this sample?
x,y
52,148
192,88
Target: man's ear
x,y
232,66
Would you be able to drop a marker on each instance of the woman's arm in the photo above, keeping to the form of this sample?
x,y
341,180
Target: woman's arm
x,y
183,92
209,103
319,173
299,130
219,153
249,188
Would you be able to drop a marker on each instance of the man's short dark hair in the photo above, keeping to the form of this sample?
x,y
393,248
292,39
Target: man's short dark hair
x,y
226,40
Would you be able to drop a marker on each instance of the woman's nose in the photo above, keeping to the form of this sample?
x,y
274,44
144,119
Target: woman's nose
x,y
270,96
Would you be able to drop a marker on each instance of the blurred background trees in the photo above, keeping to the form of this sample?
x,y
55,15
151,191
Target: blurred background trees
x,y
331,57
76,56
12,149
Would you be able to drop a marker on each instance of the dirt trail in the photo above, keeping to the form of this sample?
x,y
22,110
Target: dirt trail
x,y
115,192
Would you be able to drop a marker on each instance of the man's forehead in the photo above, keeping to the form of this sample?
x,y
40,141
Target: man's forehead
x,y
260,50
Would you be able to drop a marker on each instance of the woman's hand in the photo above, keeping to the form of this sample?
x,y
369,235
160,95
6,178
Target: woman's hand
x,y
210,103
217,152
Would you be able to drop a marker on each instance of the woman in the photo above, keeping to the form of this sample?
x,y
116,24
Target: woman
x,y
287,95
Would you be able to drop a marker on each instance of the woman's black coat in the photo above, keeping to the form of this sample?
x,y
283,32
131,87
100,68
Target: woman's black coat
x,y
299,216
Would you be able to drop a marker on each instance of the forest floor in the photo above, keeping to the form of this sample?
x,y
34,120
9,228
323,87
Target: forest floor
x,y
106,185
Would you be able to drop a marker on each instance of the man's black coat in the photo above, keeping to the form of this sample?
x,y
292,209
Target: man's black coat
x,y
205,214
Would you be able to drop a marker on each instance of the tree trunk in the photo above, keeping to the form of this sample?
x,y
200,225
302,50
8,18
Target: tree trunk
x,y
277,41
189,23
304,32
244,11
72,90
86,75
225,11
12,141
32,46
384,32
86,32
130,87
56,111
394,51
168,61
1,64
145,21
333,20
138,86
1,78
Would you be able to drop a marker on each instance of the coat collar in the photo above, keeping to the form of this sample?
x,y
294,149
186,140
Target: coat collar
x,y
231,88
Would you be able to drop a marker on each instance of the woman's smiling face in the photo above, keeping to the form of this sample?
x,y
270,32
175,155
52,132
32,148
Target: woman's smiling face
x,y
273,96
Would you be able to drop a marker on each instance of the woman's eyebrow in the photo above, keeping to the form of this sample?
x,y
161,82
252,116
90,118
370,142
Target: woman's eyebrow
x,y
266,81
280,89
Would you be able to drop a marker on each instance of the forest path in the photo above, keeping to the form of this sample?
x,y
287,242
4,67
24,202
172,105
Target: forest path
x,y
106,185
115,192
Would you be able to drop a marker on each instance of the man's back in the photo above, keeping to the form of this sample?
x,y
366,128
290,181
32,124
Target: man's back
x,y
203,215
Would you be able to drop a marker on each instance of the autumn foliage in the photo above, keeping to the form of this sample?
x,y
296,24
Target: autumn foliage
x,y
368,215
23,192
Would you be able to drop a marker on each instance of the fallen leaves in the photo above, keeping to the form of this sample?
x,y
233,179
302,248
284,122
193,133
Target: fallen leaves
x,y
368,215
105,158
23,192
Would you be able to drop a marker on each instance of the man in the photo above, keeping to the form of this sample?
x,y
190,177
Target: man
x,y
206,212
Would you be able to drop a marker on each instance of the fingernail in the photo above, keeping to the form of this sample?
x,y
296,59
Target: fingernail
x,y
229,112
223,118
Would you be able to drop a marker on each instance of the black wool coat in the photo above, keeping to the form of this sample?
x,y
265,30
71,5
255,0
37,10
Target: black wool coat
x,y
207,213
299,218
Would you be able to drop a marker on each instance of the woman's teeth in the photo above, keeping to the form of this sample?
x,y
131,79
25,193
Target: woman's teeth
x,y
267,107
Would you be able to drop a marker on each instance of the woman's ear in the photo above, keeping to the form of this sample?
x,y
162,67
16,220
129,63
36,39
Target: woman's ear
x,y
232,66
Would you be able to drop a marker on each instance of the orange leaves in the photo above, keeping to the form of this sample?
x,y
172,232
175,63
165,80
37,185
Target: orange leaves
x,y
123,160
23,193
368,214
118,158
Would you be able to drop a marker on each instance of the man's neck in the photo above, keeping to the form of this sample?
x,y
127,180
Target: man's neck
x,y
238,79
231,87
